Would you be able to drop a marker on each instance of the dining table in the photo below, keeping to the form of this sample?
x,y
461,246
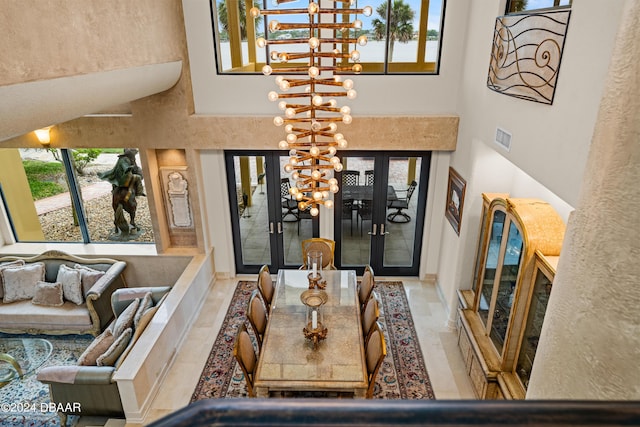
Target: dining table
x,y
365,192
290,363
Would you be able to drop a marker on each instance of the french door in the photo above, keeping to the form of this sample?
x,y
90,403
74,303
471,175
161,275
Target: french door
x,y
379,217
267,228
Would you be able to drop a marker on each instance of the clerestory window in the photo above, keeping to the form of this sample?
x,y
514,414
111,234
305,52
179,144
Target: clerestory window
x,y
65,195
405,36
518,6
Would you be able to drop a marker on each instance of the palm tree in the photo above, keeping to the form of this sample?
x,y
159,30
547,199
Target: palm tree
x,y
400,24
224,20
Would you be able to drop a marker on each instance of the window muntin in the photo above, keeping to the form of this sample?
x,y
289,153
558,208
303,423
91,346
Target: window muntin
x,y
414,46
517,6
78,209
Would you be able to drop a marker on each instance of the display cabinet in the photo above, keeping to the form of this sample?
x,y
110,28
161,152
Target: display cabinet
x,y
493,324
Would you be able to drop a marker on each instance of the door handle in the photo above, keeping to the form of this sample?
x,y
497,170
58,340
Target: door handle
x,y
382,232
279,228
270,228
375,227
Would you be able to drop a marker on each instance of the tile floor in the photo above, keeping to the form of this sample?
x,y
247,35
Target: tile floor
x,y
442,357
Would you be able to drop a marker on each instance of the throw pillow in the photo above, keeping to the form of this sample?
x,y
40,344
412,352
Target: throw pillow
x,y
8,264
109,357
96,349
145,304
89,276
20,282
49,294
125,319
71,284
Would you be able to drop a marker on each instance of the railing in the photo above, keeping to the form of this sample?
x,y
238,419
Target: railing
x,y
327,412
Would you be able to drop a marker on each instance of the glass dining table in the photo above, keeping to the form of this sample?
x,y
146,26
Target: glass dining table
x,y
288,362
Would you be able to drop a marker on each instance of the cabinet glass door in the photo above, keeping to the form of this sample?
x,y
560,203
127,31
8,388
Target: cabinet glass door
x,y
506,287
491,264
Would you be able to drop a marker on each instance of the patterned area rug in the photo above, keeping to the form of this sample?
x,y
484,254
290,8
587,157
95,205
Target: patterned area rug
x,y
25,402
403,374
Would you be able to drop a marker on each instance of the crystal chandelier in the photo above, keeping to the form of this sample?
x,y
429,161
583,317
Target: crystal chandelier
x,y
311,112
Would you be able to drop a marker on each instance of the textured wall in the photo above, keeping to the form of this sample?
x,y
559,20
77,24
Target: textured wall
x,y
590,343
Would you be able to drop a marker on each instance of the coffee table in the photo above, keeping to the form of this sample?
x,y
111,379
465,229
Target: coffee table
x,y
21,356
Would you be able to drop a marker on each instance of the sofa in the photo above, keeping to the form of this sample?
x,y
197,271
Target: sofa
x,y
57,293
88,387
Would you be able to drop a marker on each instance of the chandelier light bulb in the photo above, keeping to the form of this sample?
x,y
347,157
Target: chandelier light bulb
x,y
362,40
333,181
282,105
334,161
316,126
347,119
329,204
337,78
352,94
345,110
283,145
279,80
272,96
347,84
293,160
317,195
274,26
283,57
357,24
342,143
278,121
267,70
313,72
334,188
333,103
293,190
316,175
254,12
332,151
274,55
314,211
290,113
337,167
261,42
293,152
302,206
288,168
299,196
333,127
292,138
337,137
357,68
317,100
355,55
314,151
314,42
313,8
288,128
367,11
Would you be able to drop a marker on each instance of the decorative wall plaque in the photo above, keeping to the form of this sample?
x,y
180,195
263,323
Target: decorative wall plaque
x,y
526,54
175,185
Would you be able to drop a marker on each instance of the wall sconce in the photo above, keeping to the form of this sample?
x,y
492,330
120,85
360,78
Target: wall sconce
x,y
43,136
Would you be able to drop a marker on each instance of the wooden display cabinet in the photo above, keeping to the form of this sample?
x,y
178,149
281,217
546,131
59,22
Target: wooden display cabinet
x,y
493,316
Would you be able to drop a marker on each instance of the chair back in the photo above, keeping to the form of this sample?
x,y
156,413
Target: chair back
x,y
257,316
245,354
285,185
370,316
265,286
366,286
350,177
326,246
368,177
375,352
410,190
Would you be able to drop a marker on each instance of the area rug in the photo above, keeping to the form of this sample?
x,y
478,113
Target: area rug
x,y
25,402
403,374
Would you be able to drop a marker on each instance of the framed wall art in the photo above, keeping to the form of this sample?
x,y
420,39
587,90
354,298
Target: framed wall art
x,y
455,199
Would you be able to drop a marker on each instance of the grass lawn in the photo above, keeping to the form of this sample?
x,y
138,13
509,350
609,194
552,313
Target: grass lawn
x,y
43,178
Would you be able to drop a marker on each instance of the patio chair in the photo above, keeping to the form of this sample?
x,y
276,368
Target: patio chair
x,y
401,204
368,177
350,177
289,204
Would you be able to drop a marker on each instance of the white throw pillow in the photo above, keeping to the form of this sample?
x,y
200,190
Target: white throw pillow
x,y
8,264
20,282
89,276
71,284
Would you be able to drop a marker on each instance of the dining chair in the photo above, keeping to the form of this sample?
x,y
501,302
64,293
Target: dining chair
x,y
350,177
368,177
401,203
326,246
265,286
375,352
245,354
366,286
370,316
257,317
289,204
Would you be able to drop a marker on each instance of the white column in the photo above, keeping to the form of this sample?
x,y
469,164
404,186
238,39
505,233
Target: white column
x,y
590,343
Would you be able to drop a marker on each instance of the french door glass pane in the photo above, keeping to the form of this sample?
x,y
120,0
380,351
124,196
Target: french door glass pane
x,y
402,202
296,226
251,196
356,184
491,263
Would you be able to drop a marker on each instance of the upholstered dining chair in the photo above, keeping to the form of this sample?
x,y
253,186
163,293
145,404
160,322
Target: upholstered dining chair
x,y
265,286
245,354
370,316
326,246
375,352
366,286
257,317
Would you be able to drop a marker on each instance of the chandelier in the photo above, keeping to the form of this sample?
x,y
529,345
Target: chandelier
x,y
308,97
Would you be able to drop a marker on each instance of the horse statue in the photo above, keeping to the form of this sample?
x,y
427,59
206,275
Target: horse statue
x,y
126,180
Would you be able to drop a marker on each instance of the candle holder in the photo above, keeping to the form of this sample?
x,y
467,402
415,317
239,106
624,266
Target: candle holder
x,y
314,329
314,265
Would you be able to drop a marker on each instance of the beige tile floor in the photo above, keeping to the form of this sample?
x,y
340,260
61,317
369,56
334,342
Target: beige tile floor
x,y
442,357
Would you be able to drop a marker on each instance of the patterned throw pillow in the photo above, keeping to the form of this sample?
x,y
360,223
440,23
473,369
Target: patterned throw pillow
x,y
20,282
125,319
49,294
89,276
4,265
109,357
96,349
71,284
